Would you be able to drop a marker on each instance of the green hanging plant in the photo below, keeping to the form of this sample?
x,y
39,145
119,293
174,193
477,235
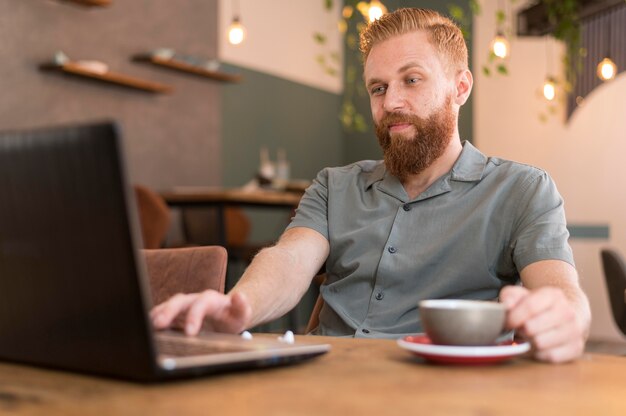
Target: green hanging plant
x,y
350,24
564,17
493,64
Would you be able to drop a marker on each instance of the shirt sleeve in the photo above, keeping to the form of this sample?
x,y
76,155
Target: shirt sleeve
x,y
312,212
540,232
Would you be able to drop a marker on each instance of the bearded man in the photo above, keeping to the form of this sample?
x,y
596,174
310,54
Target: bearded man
x,y
435,219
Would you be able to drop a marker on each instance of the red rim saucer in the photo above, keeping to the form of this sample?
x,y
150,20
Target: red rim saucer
x,y
422,346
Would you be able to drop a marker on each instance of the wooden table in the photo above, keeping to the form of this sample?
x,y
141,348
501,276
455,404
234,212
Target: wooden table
x,y
210,196
185,197
358,377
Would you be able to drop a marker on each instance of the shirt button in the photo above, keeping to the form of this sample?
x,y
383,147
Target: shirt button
x,y
391,249
365,331
406,207
379,296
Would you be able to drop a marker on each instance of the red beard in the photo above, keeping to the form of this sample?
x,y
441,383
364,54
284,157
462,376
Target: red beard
x,y
406,156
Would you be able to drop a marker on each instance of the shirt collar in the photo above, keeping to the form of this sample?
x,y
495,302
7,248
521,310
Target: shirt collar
x,y
376,175
469,167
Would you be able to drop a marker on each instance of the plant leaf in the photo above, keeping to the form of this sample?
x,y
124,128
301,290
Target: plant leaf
x,y
456,12
351,41
500,16
475,7
319,38
501,68
359,123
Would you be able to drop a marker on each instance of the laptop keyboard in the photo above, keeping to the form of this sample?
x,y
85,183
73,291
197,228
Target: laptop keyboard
x,y
183,346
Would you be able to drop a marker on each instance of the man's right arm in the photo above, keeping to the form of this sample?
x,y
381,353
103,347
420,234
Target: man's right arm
x,y
271,286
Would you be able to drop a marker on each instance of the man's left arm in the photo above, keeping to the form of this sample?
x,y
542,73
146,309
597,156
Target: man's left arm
x,y
550,309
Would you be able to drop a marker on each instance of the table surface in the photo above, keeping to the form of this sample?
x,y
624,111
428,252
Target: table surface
x,y
186,196
356,377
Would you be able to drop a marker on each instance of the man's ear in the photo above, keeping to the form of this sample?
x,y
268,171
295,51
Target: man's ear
x,y
464,82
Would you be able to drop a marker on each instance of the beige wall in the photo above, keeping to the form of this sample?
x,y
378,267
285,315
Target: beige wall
x,y
584,155
280,39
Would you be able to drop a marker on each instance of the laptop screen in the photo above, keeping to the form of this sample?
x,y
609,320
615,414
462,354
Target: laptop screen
x,y
72,288
68,260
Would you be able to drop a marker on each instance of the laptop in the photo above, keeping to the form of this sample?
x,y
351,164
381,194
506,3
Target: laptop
x,y
73,291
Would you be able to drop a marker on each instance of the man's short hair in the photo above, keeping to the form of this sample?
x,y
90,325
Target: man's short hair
x,y
443,33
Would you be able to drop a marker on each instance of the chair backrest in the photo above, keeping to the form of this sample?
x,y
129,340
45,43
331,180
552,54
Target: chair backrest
x,y
201,226
615,275
185,270
314,319
154,216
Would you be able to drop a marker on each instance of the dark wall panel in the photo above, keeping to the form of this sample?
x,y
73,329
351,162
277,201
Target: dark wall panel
x,y
268,111
272,112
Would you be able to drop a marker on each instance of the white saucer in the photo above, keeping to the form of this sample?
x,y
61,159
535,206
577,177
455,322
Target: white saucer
x,y
422,346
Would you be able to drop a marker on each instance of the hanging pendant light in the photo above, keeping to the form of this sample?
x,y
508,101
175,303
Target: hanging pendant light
x,y
236,31
500,46
549,89
607,69
373,10
376,10
549,85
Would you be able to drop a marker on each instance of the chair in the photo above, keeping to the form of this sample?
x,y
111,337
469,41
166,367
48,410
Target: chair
x,y
154,216
615,275
314,319
185,270
201,226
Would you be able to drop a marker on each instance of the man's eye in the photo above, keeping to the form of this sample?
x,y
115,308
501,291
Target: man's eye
x,y
378,90
412,80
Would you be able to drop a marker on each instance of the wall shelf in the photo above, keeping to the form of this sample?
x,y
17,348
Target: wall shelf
x,y
108,76
92,3
182,66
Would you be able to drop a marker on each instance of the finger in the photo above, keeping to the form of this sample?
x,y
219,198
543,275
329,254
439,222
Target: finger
x,y
207,304
531,305
563,353
559,315
239,313
163,314
512,295
555,337
156,310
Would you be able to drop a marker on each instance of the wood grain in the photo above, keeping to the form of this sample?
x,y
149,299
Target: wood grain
x,y
108,76
358,377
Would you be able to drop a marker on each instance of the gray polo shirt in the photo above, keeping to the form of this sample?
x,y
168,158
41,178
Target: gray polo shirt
x,y
465,237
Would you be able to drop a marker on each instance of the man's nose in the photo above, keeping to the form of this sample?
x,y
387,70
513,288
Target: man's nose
x,y
394,100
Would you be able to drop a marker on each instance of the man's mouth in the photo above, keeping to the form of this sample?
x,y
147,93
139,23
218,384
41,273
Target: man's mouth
x,y
399,127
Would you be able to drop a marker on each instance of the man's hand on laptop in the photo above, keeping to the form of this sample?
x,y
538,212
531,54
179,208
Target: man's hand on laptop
x,y
216,311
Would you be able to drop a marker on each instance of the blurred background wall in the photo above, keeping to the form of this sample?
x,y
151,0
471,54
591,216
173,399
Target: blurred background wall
x,y
583,154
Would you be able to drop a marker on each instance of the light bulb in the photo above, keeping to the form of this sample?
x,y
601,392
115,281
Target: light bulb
x,y
376,10
347,11
236,32
500,46
371,11
606,69
549,89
